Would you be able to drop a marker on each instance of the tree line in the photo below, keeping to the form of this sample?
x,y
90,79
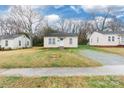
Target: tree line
x,y
24,19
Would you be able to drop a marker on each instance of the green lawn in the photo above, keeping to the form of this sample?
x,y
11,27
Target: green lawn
x,y
114,50
40,57
63,82
88,47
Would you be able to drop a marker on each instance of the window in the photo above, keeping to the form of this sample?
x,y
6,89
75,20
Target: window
x,y
27,43
6,43
70,41
19,43
53,40
49,40
97,39
109,38
91,40
113,38
61,38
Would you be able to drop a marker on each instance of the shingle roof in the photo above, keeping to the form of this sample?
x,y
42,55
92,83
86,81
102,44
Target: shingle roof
x,y
111,32
60,34
9,36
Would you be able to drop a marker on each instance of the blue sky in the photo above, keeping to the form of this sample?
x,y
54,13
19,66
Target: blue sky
x,y
66,12
73,12
3,7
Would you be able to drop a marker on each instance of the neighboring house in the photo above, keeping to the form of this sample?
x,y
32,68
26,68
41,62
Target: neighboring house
x,y
59,39
107,38
15,41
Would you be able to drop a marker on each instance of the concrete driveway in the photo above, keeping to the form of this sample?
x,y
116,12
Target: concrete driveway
x,y
84,71
103,58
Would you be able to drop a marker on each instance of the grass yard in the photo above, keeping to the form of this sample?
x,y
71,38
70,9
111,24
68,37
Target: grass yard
x,y
116,50
39,57
63,82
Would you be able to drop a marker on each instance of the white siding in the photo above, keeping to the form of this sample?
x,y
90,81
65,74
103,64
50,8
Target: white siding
x,y
46,42
57,42
14,43
23,40
74,42
103,39
10,44
121,37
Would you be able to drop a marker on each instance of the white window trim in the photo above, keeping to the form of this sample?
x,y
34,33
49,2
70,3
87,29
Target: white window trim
x,y
70,41
27,43
97,39
51,41
113,38
20,43
109,39
6,42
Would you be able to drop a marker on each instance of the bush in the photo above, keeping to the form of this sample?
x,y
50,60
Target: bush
x,y
38,41
83,42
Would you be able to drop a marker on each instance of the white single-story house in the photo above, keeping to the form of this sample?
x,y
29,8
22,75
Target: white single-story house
x,y
15,41
107,38
60,39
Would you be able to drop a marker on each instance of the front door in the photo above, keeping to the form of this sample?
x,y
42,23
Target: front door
x,y
61,42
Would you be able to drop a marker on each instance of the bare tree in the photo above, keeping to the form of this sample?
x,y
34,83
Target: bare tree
x,y
25,18
6,26
69,25
100,24
84,31
61,25
115,24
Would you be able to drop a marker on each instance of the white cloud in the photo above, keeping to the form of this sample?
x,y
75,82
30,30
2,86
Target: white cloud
x,y
119,16
52,18
95,8
115,9
100,19
76,9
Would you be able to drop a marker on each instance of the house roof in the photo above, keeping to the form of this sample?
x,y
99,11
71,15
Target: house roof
x,y
60,34
10,36
111,32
